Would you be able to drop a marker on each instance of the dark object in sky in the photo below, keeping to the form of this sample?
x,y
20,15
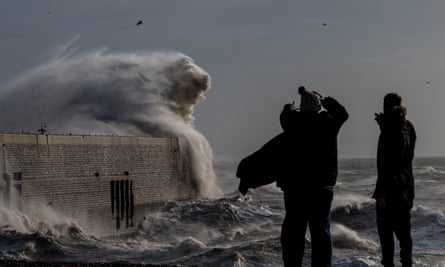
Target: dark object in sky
x,y
427,82
325,24
139,22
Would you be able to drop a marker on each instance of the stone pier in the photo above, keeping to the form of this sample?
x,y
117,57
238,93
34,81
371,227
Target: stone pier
x,y
104,183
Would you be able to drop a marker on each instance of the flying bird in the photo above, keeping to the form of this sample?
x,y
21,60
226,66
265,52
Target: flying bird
x,y
139,22
427,82
325,24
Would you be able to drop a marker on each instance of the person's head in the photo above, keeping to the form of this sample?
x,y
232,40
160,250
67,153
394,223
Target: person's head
x,y
391,100
309,100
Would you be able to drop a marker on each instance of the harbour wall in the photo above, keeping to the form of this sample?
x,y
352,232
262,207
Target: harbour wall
x,y
106,184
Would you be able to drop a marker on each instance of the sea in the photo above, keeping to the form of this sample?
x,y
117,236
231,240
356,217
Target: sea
x,y
238,231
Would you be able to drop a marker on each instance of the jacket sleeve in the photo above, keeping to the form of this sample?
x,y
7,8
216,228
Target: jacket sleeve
x,y
410,178
286,118
336,111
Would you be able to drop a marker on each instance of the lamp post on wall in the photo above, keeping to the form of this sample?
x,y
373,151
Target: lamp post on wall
x,y
42,129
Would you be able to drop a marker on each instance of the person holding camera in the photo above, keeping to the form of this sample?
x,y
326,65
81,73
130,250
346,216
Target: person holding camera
x,y
309,174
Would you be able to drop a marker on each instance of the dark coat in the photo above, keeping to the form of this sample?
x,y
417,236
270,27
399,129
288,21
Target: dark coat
x,y
395,154
304,154
311,153
261,167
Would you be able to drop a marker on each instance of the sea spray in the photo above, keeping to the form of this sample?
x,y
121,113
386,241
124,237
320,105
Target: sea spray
x,y
343,237
138,93
41,221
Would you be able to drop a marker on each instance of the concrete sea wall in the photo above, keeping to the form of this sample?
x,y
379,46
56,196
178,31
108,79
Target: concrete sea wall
x,y
105,183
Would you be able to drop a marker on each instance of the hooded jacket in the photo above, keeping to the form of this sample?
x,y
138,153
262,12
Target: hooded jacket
x,y
395,154
310,158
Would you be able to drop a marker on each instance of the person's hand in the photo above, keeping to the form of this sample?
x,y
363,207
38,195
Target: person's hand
x,y
290,106
378,117
243,187
320,96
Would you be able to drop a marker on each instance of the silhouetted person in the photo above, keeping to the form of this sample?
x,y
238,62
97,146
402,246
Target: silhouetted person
x,y
394,191
309,174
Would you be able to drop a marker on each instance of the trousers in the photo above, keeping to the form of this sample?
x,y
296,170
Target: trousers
x,y
307,207
393,219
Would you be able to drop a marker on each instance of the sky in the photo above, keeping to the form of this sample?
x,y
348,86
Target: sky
x,y
258,52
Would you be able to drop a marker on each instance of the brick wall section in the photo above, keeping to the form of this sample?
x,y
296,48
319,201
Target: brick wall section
x,y
93,178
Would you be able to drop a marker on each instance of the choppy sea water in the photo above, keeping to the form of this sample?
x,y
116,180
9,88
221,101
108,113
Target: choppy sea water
x,y
236,231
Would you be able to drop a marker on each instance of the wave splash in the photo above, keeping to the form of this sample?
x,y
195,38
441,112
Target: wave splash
x,y
104,93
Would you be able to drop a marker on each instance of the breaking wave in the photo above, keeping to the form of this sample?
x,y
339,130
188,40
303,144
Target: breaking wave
x,y
344,237
429,170
140,93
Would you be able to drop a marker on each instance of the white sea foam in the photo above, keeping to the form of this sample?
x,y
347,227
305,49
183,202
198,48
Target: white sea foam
x,y
429,169
359,262
40,218
346,238
350,200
